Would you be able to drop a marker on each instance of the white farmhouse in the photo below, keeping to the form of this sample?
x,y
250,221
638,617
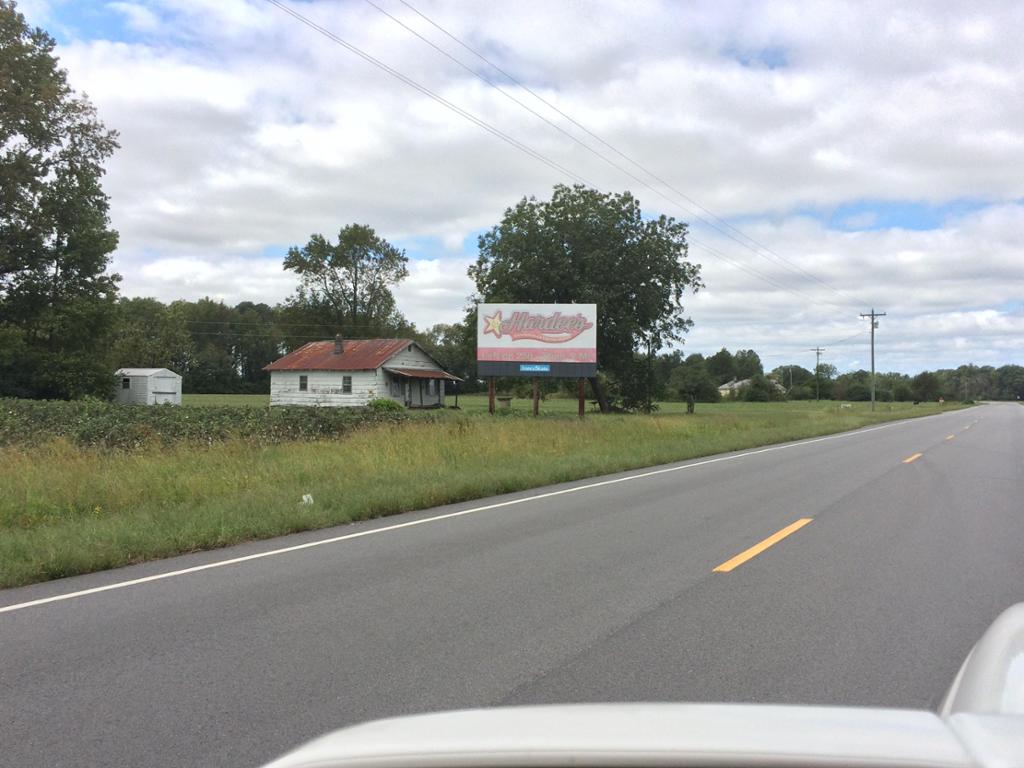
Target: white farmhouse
x,y
147,386
354,372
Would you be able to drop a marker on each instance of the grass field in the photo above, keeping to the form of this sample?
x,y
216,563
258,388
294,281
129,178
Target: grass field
x,y
260,401
477,403
66,510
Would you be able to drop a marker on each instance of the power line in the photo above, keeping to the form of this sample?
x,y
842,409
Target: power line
x,y
508,139
427,92
765,277
714,217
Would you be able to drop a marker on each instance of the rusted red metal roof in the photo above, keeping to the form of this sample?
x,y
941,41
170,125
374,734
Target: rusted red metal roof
x,y
423,373
357,355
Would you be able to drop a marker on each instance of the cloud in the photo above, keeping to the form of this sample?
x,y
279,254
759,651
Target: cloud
x,y
243,130
138,17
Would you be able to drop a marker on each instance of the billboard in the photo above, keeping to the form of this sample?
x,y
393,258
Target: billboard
x,y
536,340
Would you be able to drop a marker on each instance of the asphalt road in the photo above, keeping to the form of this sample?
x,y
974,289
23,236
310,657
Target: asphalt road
x,y
601,592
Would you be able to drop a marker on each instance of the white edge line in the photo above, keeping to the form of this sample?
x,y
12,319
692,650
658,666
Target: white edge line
x,y
435,518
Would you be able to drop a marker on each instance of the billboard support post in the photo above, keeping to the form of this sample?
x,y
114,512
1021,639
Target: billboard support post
x,y
536,395
581,392
490,395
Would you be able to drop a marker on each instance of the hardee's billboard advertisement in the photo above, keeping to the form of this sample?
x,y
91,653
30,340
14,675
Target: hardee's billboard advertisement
x,y
536,339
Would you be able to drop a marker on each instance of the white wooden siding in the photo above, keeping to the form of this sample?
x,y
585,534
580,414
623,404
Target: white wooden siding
x,y
324,388
137,392
411,357
148,389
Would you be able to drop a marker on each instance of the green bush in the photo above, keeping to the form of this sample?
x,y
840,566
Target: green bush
x,y
96,424
385,405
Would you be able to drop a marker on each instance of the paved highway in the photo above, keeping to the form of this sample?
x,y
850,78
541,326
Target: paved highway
x,y
699,581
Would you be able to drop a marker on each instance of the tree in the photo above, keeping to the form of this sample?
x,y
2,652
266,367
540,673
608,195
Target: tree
x,y
663,366
722,366
454,349
925,386
214,367
1010,382
351,281
692,378
588,246
761,389
257,343
747,363
794,376
56,302
148,334
824,382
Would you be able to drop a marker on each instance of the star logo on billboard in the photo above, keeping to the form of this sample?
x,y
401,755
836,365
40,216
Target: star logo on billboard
x,y
493,324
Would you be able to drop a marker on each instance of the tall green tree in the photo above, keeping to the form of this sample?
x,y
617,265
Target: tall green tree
x,y
692,378
257,342
926,386
748,364
350,282
149,334
454,348
586,246
56,299
214,365
722,366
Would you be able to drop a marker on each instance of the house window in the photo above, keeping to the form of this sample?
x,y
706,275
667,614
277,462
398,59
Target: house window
x,y
346,385
126,383
303,383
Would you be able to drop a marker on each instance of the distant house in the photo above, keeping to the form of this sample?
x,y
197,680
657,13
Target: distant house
x,y
147,386
731,387
354,372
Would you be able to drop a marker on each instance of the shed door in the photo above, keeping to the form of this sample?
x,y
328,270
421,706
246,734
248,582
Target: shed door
x,y
159,398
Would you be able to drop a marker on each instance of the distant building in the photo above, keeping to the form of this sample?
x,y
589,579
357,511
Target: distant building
x,y
731,387
147,386
347,373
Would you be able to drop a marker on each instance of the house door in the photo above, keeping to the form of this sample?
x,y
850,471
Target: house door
x,y
408,393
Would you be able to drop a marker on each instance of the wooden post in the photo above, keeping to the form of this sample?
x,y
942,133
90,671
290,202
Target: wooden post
x,y
582,392
490,395
456,385
536,396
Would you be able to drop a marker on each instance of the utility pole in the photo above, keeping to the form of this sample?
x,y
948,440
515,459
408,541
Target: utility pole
x,y
874,324
817,372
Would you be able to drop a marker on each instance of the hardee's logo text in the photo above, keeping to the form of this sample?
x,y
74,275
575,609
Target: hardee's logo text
x,y
551,329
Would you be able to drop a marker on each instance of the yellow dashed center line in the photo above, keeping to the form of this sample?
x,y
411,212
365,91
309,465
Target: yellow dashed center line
x,y
760,547
915,457
950,437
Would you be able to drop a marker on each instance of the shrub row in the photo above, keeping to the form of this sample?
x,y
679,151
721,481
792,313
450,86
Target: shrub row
x,y
98,424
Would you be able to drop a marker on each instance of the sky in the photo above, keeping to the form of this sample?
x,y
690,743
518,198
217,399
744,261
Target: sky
x,y
830,157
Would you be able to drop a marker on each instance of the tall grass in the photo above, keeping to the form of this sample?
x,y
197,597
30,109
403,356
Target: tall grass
x,y
66,510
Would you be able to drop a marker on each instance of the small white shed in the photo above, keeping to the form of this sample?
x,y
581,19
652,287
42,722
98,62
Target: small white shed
x,y
147,386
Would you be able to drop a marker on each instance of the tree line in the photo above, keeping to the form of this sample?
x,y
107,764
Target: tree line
x,y
678,377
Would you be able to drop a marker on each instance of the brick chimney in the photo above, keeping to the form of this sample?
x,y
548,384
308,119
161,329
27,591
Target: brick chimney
x,y
339,344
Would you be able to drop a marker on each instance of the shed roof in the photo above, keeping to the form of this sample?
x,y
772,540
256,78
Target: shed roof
x,y
143,371
357,355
